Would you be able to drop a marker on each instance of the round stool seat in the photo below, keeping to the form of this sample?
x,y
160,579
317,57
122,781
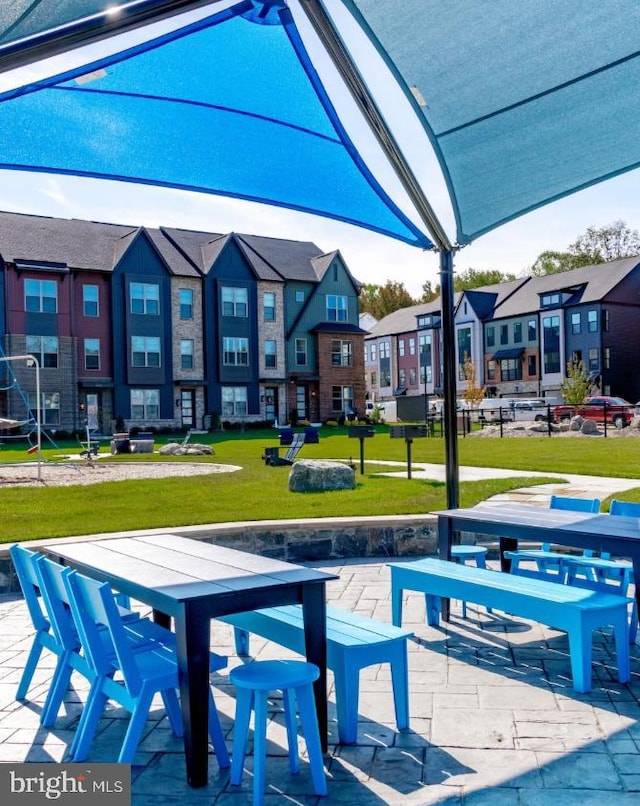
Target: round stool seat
x,y
264,675
468,552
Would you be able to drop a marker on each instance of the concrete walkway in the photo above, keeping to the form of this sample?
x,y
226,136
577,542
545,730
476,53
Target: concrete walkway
x,y
494,719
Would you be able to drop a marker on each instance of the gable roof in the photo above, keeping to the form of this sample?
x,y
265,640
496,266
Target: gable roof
x,y
588,283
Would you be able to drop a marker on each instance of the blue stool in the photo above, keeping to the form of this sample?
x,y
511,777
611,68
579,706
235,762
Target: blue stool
x,y
253,683
461,554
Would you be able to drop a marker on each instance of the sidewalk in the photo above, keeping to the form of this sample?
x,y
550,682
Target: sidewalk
x,y
494,719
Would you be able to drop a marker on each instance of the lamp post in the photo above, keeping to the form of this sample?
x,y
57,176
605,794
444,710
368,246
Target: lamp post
x,y
32,361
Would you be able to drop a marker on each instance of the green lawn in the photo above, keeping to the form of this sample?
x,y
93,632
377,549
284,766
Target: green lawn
x,y
258,492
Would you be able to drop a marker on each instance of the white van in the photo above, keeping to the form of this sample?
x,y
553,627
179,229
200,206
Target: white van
x,y
530,410
492,408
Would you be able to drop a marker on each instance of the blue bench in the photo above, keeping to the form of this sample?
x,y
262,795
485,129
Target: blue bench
x,y
577,611
353,643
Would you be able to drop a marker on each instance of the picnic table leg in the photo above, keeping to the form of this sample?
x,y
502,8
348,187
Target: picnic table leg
x,y
314,611
507,544
192,639
445,541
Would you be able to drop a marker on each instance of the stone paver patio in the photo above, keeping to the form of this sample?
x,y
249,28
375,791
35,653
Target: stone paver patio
x,y
494,717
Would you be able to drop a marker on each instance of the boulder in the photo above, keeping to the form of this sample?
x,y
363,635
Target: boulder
x,y
576,423
315,475
175,449
590,427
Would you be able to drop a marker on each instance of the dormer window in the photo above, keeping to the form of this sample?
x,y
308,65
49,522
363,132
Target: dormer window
x,y
547,300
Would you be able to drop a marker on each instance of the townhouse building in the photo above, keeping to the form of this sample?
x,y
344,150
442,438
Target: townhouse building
x,y
519,335
165,327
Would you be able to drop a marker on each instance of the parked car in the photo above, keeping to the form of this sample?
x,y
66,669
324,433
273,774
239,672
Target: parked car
x,y
615,410
530,410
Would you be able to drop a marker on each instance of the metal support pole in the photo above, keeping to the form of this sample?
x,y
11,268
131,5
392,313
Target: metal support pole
x,y
449,369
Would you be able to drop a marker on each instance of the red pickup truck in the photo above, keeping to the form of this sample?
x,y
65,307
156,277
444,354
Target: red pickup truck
x,y
614,410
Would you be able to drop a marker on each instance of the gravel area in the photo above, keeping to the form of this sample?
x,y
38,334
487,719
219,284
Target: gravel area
x,y
53,474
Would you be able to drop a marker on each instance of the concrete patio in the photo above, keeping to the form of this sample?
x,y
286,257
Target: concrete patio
x,y
494,719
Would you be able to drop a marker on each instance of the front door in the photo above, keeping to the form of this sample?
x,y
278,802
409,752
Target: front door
x,y
188,407
271,403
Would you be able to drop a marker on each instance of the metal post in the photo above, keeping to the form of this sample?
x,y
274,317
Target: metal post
x,y
449,368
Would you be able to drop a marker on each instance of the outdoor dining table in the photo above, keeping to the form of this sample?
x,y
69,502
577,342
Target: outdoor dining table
x,y
616,534
193,581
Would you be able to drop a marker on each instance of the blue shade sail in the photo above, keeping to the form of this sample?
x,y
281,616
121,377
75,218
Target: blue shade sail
x,y
524,102
227,105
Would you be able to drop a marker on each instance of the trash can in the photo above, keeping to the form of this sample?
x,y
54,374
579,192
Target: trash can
x,y
120,444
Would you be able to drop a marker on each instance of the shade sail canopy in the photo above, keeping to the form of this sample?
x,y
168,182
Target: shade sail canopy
x,y
521,103
228,104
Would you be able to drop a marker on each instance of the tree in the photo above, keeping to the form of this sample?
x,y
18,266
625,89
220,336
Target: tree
x,y
476,278
611,242
577,385
381,300
473,394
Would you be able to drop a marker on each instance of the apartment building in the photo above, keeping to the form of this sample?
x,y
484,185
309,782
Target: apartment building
x,y
520,336
165,327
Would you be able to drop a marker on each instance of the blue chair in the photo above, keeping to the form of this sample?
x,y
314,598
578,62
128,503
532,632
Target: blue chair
x,y
147,666
253,683
603,573
44,638
551,564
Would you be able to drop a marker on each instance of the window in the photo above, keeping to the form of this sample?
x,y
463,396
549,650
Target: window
x,y
186,353
504,334
90,300
45,349
234,401
145,404
491,370
401,347
594,359
412,376
41,296
412,346
341,353
234,301
145,298
373,351
576,323
402,377
235,352
269,306
532,330
299,296
185,300
374,379
491,336
605,321
145,351
301,352
92,353
270,354
532,366
511,369
551,337
606,357
383,349
342,398
337,310
464,348
385,377
592,321
49,408
517,332
426,371
550,299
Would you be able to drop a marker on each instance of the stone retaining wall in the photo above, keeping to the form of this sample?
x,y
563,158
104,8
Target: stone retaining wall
x,y
296,541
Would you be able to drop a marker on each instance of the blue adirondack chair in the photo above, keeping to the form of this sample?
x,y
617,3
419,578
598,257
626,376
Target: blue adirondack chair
x,y
111,645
